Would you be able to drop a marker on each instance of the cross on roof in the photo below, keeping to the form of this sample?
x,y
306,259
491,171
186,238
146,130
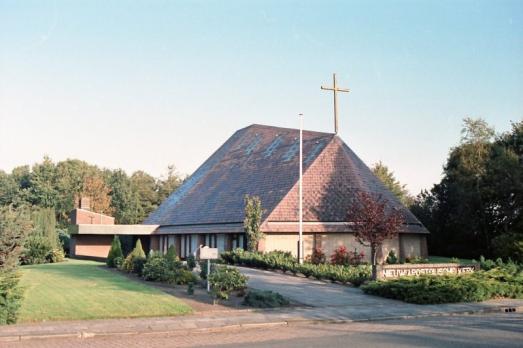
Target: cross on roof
x,y
335,89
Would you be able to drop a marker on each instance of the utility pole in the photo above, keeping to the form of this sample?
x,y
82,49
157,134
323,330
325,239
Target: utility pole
x,y
300,235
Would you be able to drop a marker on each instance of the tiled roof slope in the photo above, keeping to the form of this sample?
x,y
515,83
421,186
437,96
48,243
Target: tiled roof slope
x,y
263,160
329,186
256,160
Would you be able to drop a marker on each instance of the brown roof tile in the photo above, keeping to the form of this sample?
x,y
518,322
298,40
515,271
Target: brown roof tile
x,y
263,160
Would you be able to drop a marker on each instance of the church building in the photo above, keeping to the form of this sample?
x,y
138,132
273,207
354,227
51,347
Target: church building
x,y
208,209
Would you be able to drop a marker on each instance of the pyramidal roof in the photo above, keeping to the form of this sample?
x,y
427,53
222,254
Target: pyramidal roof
x,y
264,161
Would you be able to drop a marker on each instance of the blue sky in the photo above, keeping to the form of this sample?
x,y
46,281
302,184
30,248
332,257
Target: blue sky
x,y
144,84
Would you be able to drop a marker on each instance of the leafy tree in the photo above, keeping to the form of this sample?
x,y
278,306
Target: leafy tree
x,y
124,200
386,176
115,252
146,187
477,207
43,179
98,191
252,221
8,189
374,222
169,184
14,227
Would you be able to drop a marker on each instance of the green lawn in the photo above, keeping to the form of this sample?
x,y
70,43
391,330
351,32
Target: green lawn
x,y
78,289
444,259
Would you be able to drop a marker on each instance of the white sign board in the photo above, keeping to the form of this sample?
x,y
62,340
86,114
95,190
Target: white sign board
x,y
207,253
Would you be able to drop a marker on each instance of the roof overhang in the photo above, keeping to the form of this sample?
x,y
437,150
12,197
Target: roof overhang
x,y
327,227
113,229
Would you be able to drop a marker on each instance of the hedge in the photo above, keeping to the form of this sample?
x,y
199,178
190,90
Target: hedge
x,y
285,262
502,281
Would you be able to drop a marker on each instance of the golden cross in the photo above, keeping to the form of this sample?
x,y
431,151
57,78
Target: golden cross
x,y
335,89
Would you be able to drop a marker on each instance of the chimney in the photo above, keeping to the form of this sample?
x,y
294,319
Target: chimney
x,y
85,203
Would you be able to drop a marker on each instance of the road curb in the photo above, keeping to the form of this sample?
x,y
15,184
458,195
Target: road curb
x,y
232,327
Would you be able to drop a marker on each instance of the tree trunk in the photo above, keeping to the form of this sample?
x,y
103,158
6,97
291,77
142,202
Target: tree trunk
x,y
373,255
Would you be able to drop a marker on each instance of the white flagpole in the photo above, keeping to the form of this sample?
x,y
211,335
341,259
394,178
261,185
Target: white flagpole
x,y
300,237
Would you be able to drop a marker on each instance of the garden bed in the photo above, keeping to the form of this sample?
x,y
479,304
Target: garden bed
x,y
285,263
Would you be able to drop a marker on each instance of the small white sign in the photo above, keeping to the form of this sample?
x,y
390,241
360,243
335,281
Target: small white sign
x,y
207,253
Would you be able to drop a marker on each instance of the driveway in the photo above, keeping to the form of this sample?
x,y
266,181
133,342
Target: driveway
x,y
324,300
310,292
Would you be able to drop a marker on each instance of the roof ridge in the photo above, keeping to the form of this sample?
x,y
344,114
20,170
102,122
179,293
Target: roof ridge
x,y
253,125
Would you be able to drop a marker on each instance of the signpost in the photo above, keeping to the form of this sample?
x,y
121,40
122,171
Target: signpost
x,y
208,254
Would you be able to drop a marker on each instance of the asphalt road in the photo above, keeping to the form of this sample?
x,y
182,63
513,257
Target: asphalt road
x,y
493,330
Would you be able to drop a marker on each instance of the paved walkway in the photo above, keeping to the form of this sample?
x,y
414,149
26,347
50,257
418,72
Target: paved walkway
x,y
322,302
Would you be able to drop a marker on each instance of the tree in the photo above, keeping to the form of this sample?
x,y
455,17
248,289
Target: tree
x,y
43,178
44,220
124,200
477,208
169,184
97,190
252,222
374,222
72,175
386,176
14,227
146,187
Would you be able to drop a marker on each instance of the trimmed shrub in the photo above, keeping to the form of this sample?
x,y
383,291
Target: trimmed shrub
x,y
225,280
171,258
137,253
118,262
317,257
191,262
114,252
138,265
181,276
392,259
203,268
264,299
156,269
37,250
355,275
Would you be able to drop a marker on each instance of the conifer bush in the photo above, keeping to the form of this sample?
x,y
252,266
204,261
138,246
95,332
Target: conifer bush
x,y
14,227
114,252
135,258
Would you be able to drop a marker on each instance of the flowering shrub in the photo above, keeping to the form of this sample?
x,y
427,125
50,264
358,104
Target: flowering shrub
x,y
340,256
355,257
317,257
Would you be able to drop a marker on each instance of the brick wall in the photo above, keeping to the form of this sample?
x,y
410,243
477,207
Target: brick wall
x,y
93,246
86,217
